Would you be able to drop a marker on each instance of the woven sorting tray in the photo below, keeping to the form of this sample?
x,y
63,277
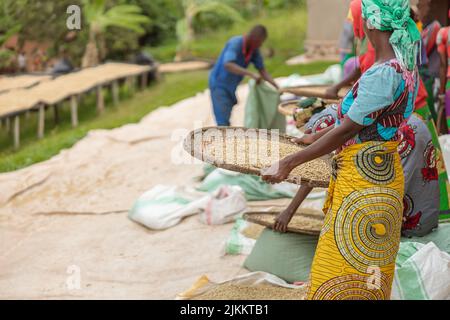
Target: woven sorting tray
x,y
316,92
249,150
287,108
303,223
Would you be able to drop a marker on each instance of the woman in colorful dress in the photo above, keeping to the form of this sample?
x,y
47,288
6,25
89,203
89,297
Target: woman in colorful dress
x,y
425,109
418,157
429,70
444,75
355,256
423,106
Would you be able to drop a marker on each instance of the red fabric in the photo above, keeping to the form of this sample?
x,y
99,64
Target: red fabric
x,y
251,48
429,174
443,45
358,22
422,95
429,36
367,59
443,40
411,222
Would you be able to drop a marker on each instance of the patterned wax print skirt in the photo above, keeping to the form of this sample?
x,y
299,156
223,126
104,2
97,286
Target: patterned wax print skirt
x,y
359,241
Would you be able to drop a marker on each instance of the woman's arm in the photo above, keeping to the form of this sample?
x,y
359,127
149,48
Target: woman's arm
x,y
312,137
326,144
333,92
236,69
443,72
283,219
266,76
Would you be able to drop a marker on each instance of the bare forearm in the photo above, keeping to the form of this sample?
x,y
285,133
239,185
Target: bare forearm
x,y
266,76
443,78
332,140
236,69
352,77
301,195
443,74
322,132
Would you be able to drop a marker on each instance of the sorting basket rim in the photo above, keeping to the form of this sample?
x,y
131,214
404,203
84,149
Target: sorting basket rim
x,y
187,145
252,216
308,91
289,111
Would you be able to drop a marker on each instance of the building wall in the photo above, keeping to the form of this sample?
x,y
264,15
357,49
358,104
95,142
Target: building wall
x,y
326,18
325,21
439,11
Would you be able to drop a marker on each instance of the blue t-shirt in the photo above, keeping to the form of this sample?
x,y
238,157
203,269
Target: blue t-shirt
x,y
221,77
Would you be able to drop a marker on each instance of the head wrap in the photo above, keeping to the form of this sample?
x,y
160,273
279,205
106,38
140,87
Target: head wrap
x,y
394,15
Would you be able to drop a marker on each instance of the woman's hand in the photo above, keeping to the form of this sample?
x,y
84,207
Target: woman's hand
x,y
283,219
258,78
305,139
332,93
278,172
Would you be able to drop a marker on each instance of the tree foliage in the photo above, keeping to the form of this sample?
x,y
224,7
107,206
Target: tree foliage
x,y
119,26
194,9
99,17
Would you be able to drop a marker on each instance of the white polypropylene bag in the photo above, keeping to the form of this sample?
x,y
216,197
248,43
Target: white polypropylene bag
x,y
164,206
237,243
224,206
444,141
425,275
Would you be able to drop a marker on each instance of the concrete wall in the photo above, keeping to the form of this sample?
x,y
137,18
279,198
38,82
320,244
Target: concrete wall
x,y
326,17
325,21
439,11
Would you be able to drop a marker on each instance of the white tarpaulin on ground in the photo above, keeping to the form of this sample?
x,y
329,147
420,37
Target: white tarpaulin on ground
x,y
64,231
70,213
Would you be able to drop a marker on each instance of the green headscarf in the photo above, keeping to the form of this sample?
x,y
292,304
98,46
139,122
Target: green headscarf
x,y
394,15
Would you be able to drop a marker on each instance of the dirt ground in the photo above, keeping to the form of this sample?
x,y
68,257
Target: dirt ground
x,y
65,219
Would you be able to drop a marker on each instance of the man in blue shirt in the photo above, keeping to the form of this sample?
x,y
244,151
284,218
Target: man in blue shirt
x,y
231,68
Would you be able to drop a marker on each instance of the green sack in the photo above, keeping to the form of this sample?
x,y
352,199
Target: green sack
x,y
236,243
440,237
261,110
254,188
287,255
290,255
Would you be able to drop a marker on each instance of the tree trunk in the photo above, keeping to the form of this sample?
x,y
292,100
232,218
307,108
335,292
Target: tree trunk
x,y
190,28
101,47
185,47
90,57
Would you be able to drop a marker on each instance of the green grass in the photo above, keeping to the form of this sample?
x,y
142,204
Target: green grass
x,y
287,31
57,137
286,35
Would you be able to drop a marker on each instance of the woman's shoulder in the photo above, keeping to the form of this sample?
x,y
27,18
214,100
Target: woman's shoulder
x,y
385,70
443,35
433,25
384,78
